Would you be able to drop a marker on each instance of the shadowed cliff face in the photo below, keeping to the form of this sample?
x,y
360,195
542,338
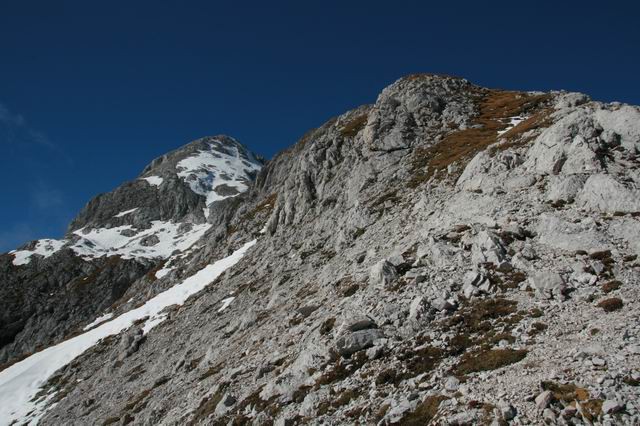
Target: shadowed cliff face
x,y
416,261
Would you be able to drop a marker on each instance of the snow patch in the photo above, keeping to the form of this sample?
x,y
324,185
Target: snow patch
x,y
44,248
513,122
98,320
163,272
22,381
225,303
207,171
114,241
154,180
124,213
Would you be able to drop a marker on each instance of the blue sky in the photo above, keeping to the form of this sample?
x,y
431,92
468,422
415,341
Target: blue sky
x,y
90,92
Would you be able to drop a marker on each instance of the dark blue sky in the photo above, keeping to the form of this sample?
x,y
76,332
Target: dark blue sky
x,y
90,92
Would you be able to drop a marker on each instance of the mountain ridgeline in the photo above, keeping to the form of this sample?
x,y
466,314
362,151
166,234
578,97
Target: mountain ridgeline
x,y
451,254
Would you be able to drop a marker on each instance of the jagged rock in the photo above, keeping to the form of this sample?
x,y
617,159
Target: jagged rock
x,y
507,411
452,384
550,285
419,308
549,416
353,342
487,247
383,274
358,322
544,399
601,192
565,188
131,342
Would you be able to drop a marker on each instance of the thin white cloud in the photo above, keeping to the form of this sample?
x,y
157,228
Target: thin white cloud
x,y
14,129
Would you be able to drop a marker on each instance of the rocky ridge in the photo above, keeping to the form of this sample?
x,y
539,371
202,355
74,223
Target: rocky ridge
x,y
449,255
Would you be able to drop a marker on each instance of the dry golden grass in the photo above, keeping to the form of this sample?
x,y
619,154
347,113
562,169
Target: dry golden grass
x,y
460,146
566,392
610,305
491,359
353,127
425,412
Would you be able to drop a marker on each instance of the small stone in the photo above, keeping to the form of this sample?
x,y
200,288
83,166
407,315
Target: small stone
x,y
544,399
375,352
611,406
568,412
452,384
507,411
549,415
598,362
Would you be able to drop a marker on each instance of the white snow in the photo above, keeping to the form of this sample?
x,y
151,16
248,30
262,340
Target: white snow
x,y
44,248
98,242
513,122
111,241
225,303
163,272
98,320
22,381
264,228
207,170
154,180
124,213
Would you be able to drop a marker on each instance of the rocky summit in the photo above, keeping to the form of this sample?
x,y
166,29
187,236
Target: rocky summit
x,y
450,255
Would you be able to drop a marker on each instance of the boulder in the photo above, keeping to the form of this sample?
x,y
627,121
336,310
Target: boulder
x,y
351,343
357,323
487,247
382,274
603,193
544,399
549,285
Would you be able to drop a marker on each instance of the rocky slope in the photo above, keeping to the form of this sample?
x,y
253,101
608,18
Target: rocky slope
x,y
449,255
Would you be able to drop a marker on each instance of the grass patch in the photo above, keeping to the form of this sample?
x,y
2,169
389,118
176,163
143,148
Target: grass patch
x,y
207,407
612,304
566,392
421,360
537,328
610,286
475,317
354,126
591,409
341,369
486,360
425,412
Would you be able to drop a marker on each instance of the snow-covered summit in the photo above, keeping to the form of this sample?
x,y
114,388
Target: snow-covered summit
x,y
221,168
